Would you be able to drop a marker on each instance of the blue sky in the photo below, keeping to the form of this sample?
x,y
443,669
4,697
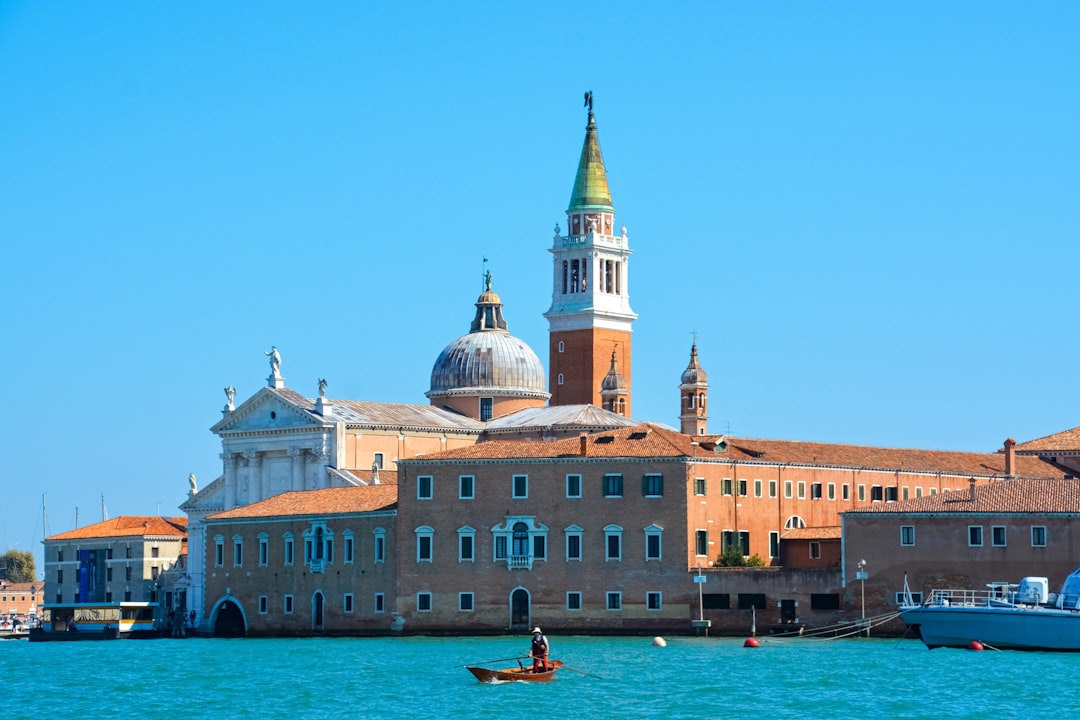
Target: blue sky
x,y
862,209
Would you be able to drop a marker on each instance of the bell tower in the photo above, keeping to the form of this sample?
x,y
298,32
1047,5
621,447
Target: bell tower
x,y
693,392
590,320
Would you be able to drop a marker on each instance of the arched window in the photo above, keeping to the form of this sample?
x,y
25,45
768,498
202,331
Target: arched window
x,y
794,523
521,540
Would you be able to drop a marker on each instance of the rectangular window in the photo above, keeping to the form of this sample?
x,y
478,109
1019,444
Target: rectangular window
x,y
742,487
573,486
108,578
788,489
238,553
60,576
916,598
154,552
60,554
521,486
613,485
219,553
997,535
701,542
466,487
652,546
772,488
824,601
862,493
465,548
263,604
349,549
500,547
465,602
614,601
614,546
539,547
774,544
653,600
907,535
573,600
802,489
424,487
716,601
380,548
1038,536
845,492
751,600
423,548
289,551
486,409
699,486
918,492
423,602
757,488
378,606
832,491
905,492
108,596
347,603
975,535
127,572
815,491
288,604
573,546
891,494
726,487
815,550
264,552
876,494
377,460
652,485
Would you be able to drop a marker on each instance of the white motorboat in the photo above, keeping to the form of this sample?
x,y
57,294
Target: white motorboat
x,y
1024,616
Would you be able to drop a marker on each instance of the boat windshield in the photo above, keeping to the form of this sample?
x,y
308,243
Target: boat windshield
x,y
1070,591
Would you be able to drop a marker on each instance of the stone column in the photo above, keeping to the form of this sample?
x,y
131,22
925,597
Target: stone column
x,y
229,460
254,476
298,456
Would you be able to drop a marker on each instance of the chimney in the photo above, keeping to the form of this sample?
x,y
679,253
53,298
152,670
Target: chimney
x,y
584,445
971,489
1010,457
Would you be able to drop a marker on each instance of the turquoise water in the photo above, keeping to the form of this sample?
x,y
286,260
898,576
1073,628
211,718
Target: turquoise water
x,y
421,677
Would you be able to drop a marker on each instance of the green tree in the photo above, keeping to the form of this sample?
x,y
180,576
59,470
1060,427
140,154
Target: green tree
x,y
17,566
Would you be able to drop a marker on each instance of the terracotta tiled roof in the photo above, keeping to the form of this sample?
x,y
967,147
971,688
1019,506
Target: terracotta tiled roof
x,y
639,441
386,477
329,501
1065,440
128,526
813,533
1018,495
644,441
859,456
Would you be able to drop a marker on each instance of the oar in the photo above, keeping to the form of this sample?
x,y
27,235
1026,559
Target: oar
x,y
488,662
581,672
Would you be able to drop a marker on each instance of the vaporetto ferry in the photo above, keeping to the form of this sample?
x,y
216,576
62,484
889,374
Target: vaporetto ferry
x,y
96,621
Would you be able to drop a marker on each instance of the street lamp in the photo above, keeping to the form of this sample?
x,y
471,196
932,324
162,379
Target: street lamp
x,y
861,576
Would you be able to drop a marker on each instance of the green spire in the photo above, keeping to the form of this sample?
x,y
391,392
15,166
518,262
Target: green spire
x,y
590,186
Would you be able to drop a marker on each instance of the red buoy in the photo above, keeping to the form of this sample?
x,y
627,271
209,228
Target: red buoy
x,y
975,645
750,643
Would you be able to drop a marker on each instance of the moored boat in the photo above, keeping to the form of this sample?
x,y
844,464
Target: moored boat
x,y
520,673
96,621
1024,616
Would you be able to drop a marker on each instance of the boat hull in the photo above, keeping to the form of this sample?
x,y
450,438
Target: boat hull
x,y
1007,627
523,674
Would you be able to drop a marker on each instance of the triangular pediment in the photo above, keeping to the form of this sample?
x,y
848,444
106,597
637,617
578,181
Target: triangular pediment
x,y
271,409
209,498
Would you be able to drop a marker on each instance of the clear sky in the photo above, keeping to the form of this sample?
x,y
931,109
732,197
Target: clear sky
x,y
865,210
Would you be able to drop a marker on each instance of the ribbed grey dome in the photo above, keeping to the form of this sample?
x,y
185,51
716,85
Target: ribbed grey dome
x,y
491,362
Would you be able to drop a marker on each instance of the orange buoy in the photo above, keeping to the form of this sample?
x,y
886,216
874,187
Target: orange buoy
x,y
975,645
751,643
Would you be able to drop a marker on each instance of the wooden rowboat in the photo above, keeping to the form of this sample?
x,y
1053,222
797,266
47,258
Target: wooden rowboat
x,y
521,673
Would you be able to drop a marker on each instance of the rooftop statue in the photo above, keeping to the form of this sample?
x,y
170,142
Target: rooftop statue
x,y
275,361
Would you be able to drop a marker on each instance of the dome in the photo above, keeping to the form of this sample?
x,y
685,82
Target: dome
x,y
489,362
694,375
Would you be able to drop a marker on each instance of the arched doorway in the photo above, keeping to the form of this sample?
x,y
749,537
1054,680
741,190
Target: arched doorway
x,y
317,611
229,620
519,610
